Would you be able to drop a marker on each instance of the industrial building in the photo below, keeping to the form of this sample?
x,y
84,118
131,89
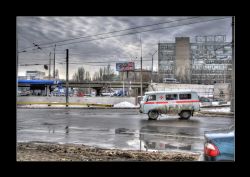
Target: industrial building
x,y
207,60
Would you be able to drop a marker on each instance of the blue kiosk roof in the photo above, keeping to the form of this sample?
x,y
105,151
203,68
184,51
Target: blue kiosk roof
x,y
46,82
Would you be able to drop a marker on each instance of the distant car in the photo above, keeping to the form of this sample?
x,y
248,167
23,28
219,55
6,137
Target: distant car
x,y
107,94
170,81
24,93
219,145
56,93
119,93
221,101
205,99
80,94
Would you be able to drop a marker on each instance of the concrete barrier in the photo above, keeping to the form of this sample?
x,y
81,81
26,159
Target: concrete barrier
x,y
89,100
62,103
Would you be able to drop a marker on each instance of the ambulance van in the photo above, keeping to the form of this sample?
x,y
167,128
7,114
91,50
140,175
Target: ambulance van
x,y
181,102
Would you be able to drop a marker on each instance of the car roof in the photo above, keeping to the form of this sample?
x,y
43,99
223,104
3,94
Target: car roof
x,y
170,91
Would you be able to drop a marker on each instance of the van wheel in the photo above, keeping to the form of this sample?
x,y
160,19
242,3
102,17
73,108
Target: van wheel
x,y
185,114
153,115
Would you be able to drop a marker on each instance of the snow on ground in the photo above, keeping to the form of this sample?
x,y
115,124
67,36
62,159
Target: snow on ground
x,y
215,103
222,109
124,104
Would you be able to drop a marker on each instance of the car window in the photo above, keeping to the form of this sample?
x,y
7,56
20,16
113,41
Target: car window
x,y
151,97
171,97
185,96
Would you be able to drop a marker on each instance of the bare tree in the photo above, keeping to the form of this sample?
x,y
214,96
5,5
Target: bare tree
x,y
87,77
96,76
79,76
104,74
57,74
101,74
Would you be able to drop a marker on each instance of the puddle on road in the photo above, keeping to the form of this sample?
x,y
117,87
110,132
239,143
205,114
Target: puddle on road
x,y
159,141
121,138
124,131
166,142
166,146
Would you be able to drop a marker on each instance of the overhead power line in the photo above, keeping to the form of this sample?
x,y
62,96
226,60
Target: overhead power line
x,y
81,37
84,62
137,32
101,62
31,64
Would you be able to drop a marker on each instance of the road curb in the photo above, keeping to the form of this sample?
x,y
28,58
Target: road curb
x,y
49,107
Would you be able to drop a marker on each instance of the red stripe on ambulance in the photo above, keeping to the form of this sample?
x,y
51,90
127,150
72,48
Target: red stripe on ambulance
x,y
164,102
187,101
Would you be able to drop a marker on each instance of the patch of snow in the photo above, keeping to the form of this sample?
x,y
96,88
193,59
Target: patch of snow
x,y
135,143
215,103
124,104
224,109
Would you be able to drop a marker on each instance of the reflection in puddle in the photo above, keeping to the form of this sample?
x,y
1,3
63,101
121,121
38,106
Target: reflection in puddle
x,y
124,131
67,129
164,141
165,138
167,146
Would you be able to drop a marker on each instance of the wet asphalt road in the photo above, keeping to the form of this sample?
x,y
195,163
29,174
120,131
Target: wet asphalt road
x,y
115,128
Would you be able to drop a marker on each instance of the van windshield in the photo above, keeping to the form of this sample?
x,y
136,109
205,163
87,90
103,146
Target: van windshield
x,y
145,98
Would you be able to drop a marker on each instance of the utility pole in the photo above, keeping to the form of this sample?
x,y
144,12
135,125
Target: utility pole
x,y
233,65
49,65
16,64
54,62
152,69
123,83
67,77
141,67
128,84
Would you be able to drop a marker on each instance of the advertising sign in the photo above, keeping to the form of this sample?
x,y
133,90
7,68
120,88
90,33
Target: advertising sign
x,y
126,66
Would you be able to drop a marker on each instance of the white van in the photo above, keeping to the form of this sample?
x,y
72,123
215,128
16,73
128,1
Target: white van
x,y
170,81
181,102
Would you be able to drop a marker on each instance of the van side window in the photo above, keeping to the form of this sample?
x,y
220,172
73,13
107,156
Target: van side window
x,y
151,97
185,96
171,97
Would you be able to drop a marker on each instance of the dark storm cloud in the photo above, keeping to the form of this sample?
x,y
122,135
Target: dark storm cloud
x,y
41,30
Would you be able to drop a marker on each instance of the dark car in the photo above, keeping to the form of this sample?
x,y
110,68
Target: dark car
x,y
219,145
205,99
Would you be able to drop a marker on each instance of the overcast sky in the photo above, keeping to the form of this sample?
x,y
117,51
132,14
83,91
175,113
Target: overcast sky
x,y
46,31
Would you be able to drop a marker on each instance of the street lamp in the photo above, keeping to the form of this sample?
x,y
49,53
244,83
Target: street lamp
x,y
152,65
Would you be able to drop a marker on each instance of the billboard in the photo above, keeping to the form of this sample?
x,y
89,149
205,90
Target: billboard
x,y
126,66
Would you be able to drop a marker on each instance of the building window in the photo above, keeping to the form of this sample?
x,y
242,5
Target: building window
x,y
171,97
185,96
